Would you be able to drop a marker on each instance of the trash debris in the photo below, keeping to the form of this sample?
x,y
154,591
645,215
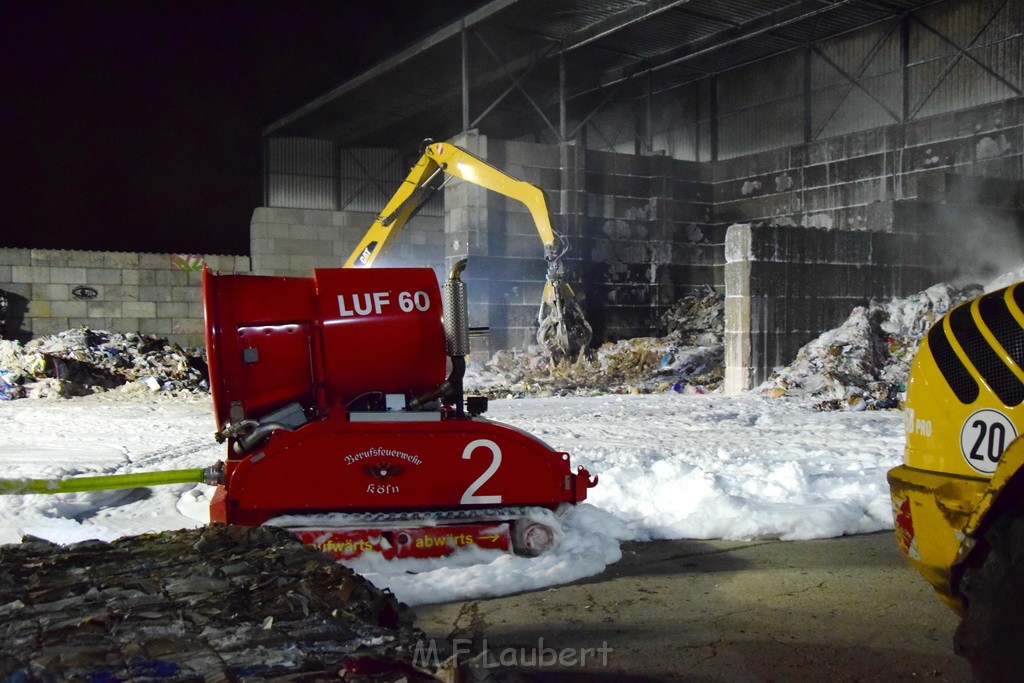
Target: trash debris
x,y
82,361
216,603
863,364
8,385
697,320
689,359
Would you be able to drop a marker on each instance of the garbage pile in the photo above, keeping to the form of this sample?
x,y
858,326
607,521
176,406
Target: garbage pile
x,y
864,363
697,320
689,359
83,361
212,604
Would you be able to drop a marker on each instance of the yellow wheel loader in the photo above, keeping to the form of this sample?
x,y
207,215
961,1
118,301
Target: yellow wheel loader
x,y
563,329
958,499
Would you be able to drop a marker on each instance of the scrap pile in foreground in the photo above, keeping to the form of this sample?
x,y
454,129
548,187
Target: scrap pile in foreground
x,y
83,361
217,603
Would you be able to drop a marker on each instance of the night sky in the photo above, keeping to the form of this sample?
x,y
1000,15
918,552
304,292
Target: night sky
x,y
135,125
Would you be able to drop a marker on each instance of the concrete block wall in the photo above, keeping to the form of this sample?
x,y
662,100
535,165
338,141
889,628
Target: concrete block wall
x,y
157,294
977,242
293,242
785,285
833,183
646,240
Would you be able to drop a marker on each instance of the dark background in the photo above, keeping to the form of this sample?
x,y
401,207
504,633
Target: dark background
x,y
135,125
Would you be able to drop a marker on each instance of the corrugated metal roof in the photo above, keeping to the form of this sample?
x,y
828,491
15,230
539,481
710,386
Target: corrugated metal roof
x,y
514,47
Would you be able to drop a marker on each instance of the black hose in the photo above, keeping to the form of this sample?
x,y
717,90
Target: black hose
x,y
457,393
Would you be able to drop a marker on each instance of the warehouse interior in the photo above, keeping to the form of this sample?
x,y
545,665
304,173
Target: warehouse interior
x,y
802,158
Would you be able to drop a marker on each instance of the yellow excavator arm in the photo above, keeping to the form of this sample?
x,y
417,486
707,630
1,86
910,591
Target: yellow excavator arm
x,y
426,177
564,331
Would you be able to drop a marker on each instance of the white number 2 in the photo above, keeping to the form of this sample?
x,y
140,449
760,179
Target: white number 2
x,y
470,497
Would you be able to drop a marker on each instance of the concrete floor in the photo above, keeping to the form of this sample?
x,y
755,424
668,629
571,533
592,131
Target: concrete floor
x,y
845,609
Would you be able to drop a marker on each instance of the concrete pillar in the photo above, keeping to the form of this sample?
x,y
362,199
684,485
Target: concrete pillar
x,y
739,372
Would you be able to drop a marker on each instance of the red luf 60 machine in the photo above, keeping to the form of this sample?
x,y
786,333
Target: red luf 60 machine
x,y
340,398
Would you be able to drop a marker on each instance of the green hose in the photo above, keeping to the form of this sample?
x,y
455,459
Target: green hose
x,y
199,475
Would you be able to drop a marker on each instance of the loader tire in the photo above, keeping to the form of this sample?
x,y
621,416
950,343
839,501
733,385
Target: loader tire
x,y
989,633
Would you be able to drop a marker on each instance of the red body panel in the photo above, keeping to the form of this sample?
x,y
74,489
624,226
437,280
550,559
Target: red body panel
x,y
336,465
321,341
326,343
238,308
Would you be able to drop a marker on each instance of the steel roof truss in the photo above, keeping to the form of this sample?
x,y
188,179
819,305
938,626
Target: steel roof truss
x,y
854,80
608,97
639,12
374,179
763,24
962,52
517,82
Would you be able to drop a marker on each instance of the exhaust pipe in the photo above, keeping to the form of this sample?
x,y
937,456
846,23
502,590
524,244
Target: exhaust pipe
x,y
456,336
456,308
247,441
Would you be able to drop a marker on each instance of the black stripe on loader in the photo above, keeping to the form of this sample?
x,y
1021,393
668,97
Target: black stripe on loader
x,y
996,374
1018,296
995,313
949,364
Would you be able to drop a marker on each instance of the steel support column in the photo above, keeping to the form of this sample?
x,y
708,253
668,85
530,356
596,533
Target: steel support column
x,y
561,98
713,113
465,78
649,111
905,66
808,101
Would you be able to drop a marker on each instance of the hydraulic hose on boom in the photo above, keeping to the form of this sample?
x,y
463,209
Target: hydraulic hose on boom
x,y
564,330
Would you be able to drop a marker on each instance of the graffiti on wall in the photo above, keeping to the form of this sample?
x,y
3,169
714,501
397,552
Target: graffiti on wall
x,y
188,262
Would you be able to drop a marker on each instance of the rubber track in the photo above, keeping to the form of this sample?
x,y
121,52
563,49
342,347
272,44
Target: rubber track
x,y
341,520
